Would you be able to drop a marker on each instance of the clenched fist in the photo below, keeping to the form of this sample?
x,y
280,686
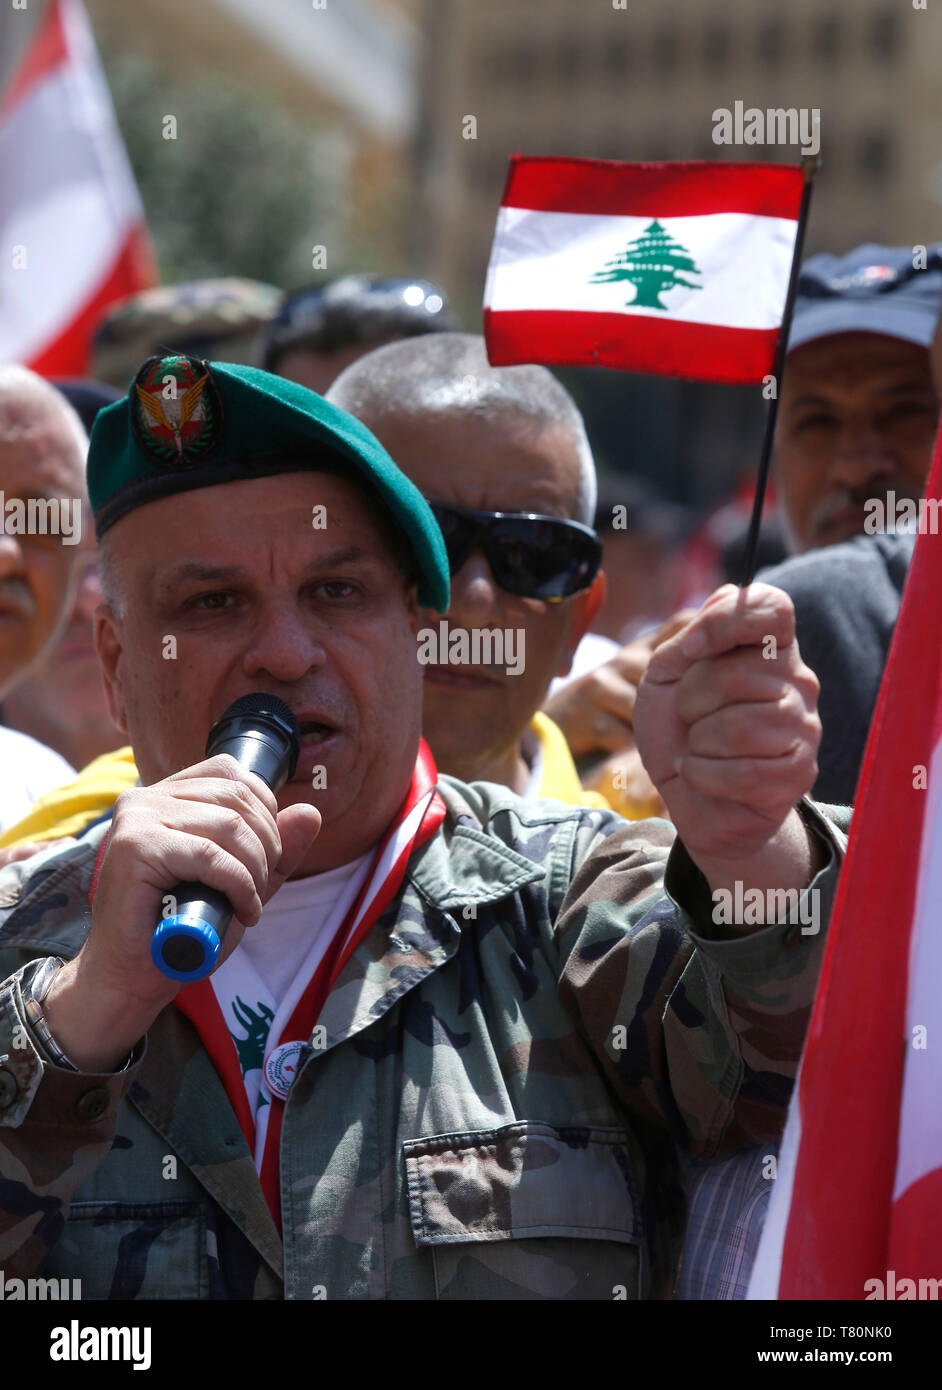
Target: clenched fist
x,y
726,723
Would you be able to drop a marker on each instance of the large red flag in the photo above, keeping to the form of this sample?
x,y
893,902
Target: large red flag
x,y
856,1212
71,224
677,269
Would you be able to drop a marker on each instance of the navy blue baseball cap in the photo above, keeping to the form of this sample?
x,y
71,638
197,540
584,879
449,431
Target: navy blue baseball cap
x,y
872,289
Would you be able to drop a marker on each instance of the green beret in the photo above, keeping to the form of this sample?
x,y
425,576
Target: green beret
x,y
187,424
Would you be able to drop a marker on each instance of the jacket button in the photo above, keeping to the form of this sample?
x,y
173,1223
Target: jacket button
x,y
7,1089
91,1105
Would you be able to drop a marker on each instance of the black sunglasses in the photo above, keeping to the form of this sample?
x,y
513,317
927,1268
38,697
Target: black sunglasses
x,y
535,556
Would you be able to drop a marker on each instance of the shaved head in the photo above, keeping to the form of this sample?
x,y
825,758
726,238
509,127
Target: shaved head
x,y
499,439
26,399
447,375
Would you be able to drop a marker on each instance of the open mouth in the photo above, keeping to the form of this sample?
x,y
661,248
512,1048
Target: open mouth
x,y
314,732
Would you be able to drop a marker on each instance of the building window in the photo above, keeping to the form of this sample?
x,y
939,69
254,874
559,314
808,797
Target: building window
x,y
874,161
568,61
491,62
826,40
480,168
617,57
716,46
521,62
770,44
497,168
660,146
665,50
615,144
885,35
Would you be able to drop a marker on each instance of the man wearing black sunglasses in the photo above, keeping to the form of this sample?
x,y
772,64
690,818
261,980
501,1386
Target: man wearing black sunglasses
x,y
502,455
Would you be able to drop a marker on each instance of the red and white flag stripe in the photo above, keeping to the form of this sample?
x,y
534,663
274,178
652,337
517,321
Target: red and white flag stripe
x,y
856,1211
563,221
72,228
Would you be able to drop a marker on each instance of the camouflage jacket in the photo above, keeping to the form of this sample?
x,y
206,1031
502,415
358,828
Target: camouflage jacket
x,y
509,1057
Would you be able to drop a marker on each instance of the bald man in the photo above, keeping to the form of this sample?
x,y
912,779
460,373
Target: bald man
x,y
488,446
42,459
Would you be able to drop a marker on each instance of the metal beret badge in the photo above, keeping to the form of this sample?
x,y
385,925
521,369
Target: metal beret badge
x,y
176,413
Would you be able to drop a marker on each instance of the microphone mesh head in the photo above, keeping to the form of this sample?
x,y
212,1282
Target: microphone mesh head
x,y
259,703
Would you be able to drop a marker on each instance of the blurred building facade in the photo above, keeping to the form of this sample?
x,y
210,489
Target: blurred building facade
x,y
642,83
383,90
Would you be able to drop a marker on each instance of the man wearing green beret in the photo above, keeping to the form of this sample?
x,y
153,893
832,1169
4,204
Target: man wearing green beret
x,y
450,1030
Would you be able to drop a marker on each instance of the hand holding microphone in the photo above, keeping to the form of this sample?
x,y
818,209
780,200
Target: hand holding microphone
x,y
215,831
262,734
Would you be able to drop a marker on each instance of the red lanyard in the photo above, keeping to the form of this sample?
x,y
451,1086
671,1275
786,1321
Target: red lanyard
x,y
198,1001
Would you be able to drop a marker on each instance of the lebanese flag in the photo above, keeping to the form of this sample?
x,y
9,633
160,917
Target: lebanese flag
x,y
677,269
856,1209
72,231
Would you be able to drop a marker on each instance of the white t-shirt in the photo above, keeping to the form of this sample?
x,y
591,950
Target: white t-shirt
x,y
296,917
28,770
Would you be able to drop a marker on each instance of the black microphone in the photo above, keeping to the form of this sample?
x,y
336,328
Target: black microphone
x,y
263,735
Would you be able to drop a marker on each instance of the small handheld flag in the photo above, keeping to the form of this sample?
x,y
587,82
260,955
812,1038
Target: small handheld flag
x,y
677,269
685,269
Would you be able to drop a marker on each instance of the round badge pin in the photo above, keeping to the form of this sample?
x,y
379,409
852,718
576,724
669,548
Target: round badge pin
x,y
280,1067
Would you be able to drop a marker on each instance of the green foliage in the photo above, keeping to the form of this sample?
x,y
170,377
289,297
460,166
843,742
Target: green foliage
x,y
238,192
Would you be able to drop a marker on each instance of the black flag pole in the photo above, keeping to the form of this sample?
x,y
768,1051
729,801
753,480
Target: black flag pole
x,y
810,165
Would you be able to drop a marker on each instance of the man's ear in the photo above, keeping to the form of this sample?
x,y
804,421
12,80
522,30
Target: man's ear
x,y
109,644
582,614
417,615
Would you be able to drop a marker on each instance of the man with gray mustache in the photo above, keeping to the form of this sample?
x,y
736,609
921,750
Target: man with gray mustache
x,y
857,420
42,459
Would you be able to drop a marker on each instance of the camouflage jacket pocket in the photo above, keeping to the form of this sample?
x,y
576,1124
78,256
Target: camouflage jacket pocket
x,y
135,1249
528,1210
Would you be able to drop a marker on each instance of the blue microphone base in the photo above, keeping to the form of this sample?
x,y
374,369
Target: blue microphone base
x,y
185,948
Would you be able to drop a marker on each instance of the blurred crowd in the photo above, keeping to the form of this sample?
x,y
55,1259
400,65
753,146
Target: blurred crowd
x,y
857,419
596,572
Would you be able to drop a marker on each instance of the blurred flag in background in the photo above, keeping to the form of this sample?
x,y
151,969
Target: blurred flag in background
x,y
856,1208
73,238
